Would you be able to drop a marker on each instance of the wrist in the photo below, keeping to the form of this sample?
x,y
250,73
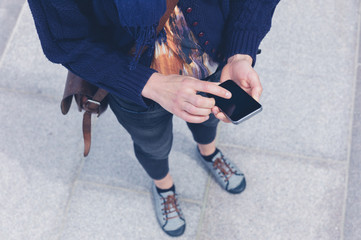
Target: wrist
x,y
240,57
150,87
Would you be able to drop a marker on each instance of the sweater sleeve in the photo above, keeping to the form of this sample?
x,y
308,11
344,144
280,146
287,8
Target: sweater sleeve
x,y
249,22
65,35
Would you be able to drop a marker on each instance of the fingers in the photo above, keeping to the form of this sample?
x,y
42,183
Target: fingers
x,y
199,119
192,118
195,114
201,102
243,74
192,109
208,87
220,115
255,86
195,108
256,93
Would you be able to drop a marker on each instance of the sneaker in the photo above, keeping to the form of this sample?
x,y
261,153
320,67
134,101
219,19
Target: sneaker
x,y
226,173
169,214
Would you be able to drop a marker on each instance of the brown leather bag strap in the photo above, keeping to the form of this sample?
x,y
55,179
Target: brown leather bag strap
x,y
87,132
100,95
91,106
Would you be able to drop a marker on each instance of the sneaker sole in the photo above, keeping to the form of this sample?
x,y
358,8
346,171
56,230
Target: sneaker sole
x,y
239,189
176,233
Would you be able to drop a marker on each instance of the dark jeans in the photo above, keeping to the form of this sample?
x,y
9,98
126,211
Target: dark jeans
x,y
151,130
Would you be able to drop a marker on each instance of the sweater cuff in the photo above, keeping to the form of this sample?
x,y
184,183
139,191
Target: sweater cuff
x,y
243,42
126,84
138,78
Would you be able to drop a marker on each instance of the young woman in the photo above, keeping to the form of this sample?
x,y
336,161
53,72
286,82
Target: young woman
x,y
212,40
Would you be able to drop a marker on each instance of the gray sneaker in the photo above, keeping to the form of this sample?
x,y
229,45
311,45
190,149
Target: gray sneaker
x,y
169,214
226,173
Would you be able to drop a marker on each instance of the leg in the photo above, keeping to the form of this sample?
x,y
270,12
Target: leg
x,y
223,170
207,149
151,131
205,133
165,183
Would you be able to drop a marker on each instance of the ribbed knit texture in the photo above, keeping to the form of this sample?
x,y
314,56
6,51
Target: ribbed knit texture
x,y
73,36
140,18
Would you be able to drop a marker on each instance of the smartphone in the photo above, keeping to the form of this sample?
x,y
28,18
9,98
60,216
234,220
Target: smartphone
x,y
240,106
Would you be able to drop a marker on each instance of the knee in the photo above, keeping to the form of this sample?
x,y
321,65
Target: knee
x,y
156,150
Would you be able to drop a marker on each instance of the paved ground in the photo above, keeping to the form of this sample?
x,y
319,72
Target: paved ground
x,y
301,155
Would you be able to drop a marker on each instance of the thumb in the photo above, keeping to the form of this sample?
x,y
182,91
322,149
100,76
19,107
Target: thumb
x,y
225,74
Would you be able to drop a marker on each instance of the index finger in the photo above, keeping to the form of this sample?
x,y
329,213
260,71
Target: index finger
x,y
212,88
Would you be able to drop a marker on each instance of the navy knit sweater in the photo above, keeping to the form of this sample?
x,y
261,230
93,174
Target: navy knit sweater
x,y
94,45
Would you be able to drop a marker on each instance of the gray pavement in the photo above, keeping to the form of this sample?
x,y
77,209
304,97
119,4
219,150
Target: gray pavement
x,y
301,155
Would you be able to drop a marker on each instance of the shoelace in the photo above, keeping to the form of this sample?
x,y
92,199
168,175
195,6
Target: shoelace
x,y
170,206
224,167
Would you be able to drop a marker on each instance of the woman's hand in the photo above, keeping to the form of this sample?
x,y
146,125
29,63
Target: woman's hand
x,y
178,95
239,69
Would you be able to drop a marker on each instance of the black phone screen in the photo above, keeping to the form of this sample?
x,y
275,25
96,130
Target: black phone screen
x,y
240,105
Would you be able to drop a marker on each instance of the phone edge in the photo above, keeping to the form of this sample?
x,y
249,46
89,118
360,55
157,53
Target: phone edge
x,y
246,117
